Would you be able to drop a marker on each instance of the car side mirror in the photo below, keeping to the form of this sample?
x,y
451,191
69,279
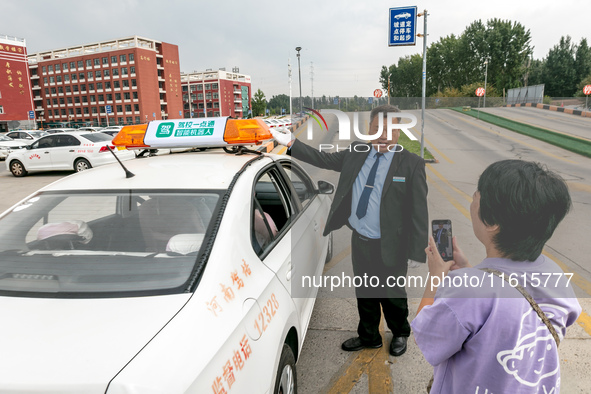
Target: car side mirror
x,y
325,187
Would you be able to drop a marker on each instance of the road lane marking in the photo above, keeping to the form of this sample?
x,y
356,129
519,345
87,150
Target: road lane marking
x,y
461,117
452,200
584,321
579,186
440,153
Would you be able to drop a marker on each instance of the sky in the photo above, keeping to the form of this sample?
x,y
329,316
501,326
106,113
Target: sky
x,y
345,41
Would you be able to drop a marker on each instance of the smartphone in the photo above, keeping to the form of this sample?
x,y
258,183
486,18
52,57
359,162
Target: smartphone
x,y
442,234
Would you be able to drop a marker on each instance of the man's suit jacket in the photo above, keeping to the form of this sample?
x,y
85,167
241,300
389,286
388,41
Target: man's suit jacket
x,y
403,208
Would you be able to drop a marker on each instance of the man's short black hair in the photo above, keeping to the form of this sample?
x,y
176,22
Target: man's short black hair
x,y
526,201
384,109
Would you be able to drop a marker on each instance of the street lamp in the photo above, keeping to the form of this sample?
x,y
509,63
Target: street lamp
x,y
485,75
300,79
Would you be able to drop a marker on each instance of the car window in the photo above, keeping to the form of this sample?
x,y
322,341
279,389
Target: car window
x,y
66,140
271,211
302,184
45,142
39,134
97,137
104,243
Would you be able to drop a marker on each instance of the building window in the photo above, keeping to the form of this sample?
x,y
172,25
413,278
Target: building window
x,y
82,87
200,96
88,63
91,86
51,79
208,96
1,109
53,91
136,107
71,111
132,70
119,108
68,89
85,110
84,99
109,97
50,68
81,76
45,80
92,98
207,86
80,64
135,95
89,74
115,71
126,96
65,66
118,96
131,58
125,83
215,95
216,105
101,98
214,85
48,101
62,102
123,70
102,108
105,60
99,86
67,78
107,72
54,101
72,65
114,59
128,108
43,69
60,89
58,78
199,87
116,84
69,100
57,67
94,110
122,58
120,120
97,74
77,100
107,85
133,83
46,91
74,77
129,120
97,62
137,119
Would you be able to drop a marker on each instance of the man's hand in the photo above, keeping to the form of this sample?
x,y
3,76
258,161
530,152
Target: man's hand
x,y
283,136
413,264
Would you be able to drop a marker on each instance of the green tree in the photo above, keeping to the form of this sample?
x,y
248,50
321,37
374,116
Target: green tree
x,y
259,103
559,71
278,103
582,61
405,78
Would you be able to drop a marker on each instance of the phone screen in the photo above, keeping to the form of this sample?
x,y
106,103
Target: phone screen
x,y
442,234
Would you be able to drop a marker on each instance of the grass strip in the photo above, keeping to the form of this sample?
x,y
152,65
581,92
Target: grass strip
x,y
414,146
571,143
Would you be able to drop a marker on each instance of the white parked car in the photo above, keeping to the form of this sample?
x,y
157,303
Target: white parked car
x,y
180,279
59,130
70,151
7,145
26,136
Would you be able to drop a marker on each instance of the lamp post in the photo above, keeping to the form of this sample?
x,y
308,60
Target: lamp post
x,y
485,75
300,79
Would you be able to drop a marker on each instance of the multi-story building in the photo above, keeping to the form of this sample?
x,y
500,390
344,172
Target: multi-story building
x,y
216,93
16,102
129,80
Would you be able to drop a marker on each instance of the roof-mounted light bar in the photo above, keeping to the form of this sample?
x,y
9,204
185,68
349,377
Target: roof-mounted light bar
x,y
200,132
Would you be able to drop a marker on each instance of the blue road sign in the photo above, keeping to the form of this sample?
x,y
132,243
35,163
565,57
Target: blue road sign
x,y
154,115
336,101
31,114
180,113
108,109
370,100
402,26
192,113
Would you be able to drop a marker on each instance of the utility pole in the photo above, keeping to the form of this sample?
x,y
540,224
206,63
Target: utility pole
x,y
312,81
485,75
298,49
424,35
289,75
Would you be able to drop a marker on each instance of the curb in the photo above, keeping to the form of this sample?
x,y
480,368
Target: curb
x,y
585,114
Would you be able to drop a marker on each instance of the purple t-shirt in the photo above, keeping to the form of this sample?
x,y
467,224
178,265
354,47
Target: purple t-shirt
x,y
482,336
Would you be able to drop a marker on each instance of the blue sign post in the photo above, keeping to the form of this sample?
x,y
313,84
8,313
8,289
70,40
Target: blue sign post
x,y
108,109
402,26
31,114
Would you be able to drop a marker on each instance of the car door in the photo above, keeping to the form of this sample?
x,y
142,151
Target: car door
x,y
39,156
62,155
278,229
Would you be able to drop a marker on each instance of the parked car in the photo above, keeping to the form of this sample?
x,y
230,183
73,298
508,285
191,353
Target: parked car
x,y
111,128
68,151
90,128
180,279
59,130
26,136
7,145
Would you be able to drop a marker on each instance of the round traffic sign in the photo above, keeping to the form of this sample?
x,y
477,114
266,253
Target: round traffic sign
x,y
480,92
587,90
377,93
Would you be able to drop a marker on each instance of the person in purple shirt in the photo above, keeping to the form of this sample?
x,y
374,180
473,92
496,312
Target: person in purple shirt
x,y
480,334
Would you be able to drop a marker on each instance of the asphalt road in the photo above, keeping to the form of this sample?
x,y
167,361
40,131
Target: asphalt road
x,y
464,147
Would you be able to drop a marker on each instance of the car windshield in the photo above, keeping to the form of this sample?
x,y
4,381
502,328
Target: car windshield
x,y
38,134
5,138
104,244
97,137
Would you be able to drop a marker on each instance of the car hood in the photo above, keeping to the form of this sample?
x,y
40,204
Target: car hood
x,y
75,345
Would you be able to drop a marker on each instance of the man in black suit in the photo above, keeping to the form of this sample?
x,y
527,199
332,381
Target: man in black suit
x,y
382,197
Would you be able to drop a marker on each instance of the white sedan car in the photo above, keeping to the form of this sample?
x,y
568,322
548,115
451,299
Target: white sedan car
x,y
7,145
27,136
70,151
184,278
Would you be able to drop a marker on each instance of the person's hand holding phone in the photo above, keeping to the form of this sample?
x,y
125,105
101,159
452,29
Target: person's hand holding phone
x,y
460,260
437,267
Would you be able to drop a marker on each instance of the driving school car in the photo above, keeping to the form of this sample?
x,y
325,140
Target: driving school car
x,y
173,275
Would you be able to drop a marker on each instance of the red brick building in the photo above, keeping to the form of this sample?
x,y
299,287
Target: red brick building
x,y
216,93
15,90
138,78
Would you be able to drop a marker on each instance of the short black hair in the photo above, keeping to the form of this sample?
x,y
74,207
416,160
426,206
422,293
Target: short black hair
x,y
382,108
526,201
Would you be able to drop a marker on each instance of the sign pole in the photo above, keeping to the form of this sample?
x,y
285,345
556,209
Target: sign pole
x,y
424,83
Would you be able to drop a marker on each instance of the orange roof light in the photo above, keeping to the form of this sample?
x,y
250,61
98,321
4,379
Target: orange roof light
x,y
131,137
246,131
